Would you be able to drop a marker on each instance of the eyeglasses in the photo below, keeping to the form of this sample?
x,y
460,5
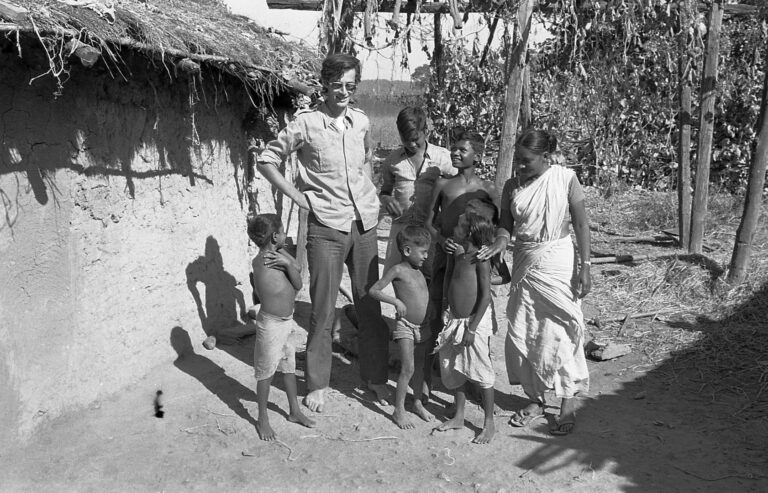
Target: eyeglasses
x,y
338,86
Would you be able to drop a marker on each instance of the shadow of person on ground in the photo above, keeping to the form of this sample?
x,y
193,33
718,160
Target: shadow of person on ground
x,y
693,420
230,391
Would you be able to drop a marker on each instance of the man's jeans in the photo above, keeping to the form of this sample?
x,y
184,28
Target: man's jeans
x,y
327,252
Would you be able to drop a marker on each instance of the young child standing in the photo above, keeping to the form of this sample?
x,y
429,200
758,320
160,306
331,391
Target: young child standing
x,y
464,343
412,331
449,200
277,277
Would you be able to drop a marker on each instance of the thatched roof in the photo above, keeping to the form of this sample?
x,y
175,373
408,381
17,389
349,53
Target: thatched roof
x,y
203,31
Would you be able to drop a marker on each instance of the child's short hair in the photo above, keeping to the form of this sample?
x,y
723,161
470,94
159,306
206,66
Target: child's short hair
x,y
481,229
475,140
410,121
412,235
485,207
261,228
336,64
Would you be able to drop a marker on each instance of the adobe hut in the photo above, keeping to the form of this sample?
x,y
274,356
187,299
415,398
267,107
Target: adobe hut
x,y
124,187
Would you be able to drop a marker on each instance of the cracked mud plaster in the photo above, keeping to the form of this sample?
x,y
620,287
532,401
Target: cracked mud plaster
x,y
104,206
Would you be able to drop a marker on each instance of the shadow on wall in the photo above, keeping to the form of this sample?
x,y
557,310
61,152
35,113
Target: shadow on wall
x,y
698,420
224,304
106,125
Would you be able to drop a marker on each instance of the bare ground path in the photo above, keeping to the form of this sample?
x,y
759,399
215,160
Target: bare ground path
x,y
645,426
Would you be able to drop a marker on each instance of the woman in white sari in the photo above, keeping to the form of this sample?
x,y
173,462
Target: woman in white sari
x,y
544,344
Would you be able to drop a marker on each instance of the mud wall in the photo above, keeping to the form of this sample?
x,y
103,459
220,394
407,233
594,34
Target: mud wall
x,y
122,215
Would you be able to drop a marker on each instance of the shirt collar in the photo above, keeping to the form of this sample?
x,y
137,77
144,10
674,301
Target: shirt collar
x,y
327,119
426,151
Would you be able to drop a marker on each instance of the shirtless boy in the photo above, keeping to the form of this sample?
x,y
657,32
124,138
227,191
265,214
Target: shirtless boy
x,y
412,331
449,199
277,277
464,343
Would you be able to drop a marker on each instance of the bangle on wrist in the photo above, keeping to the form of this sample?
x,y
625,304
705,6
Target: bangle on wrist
x,y
586,262
503,234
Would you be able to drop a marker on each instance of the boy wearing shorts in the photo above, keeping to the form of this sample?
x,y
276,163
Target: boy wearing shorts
x,y
277,277
412,331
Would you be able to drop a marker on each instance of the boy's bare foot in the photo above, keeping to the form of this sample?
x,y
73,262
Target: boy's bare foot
x,y
300,418
452,424
418,408
485,436
265,431
402,420
315,400
381,391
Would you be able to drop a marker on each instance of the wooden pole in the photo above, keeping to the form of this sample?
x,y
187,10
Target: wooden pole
x,y
684,125
749,219
516,70
437,56
706,126
525,108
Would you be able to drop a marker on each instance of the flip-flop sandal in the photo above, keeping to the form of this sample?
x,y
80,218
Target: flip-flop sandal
x,y
521,420
558,429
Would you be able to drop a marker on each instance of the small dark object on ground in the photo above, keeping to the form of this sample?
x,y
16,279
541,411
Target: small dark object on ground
x,y
159,413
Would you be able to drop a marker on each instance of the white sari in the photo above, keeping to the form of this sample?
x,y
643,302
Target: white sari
x,y
544,345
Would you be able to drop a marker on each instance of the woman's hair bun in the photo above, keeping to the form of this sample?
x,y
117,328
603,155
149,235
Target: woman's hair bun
x,y
551,142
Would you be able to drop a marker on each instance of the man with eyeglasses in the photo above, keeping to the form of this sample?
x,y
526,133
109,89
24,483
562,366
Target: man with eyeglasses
x,y
334,184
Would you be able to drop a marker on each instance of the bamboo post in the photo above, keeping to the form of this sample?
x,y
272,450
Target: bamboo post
x,y
516,70
684,125
706,125
745,234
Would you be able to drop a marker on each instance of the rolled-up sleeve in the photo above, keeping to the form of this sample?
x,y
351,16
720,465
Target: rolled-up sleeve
x,y
291,138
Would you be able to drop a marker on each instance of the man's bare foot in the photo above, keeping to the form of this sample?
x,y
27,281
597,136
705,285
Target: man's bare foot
x,y
315,400
302,419
485,436
454,423
382,393
418,408
265,431
402,420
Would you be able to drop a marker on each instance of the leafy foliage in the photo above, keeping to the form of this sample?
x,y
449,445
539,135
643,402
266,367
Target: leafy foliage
x,y
607,84
470,97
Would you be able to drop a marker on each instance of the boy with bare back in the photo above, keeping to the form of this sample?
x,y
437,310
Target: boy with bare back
x,y
449,200
464,343
412,331
277,277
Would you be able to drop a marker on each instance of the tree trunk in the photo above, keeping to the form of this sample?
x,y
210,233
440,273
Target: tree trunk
x,y
706,124
437,57
516,68
525,109
684,146
745,234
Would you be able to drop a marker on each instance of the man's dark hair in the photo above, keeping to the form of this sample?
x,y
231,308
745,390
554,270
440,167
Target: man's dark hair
x,y
335,65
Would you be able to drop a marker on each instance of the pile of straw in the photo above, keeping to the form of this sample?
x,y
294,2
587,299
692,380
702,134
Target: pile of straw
x,y
717,334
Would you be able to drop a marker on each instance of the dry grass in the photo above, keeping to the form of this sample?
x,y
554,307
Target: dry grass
x,y
714,335
169,29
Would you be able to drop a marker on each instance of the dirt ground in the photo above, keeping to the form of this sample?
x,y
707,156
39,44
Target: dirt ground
x,y
642,427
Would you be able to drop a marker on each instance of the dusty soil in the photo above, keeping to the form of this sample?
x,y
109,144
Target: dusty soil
x,y
643,427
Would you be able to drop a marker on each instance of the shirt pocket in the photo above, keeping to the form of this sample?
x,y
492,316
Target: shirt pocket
x,y
326,151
